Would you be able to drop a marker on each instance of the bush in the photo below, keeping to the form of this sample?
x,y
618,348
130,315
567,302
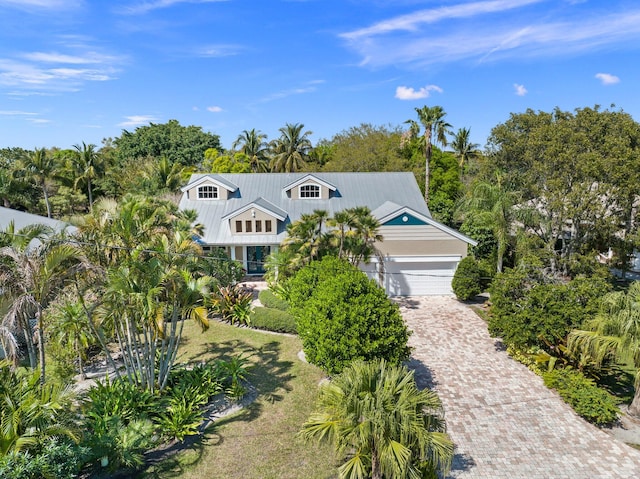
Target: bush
x,y
273,320
529,309
467,280
341,316
58,458
233,304
270,300
589,401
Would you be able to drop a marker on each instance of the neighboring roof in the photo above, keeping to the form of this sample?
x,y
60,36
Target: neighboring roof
x,y
268,190
22,219
209,178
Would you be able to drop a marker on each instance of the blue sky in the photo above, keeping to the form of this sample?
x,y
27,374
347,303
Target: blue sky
x,y
81,70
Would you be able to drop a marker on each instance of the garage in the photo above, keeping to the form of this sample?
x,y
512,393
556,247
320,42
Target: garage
x,y
410,276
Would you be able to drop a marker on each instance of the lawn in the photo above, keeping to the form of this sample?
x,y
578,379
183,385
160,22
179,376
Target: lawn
x,y
259,441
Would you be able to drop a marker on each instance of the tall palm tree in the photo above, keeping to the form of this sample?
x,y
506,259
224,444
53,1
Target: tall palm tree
x,y
377,417
435,129
41,166
614,334
291,150
86,166
463,148
252,143
33,279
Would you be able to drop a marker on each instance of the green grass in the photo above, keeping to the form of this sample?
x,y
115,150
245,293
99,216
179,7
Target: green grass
x,y
259,441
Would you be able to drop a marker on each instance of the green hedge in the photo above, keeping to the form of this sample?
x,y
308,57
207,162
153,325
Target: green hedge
x,y
270,300
273,320
587,399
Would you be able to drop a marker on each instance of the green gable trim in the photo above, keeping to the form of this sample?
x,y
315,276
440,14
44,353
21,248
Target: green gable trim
x,y
405,219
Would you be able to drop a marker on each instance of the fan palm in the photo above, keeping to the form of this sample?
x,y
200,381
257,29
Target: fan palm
x,y
291,150
614,334
376,416
431,119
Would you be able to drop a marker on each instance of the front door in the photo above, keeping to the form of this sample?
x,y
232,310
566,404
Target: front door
x,y
255,258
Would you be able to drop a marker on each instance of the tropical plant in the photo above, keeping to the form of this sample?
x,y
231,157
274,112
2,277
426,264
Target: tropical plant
x,y
232,303
614,334
385,426
291,150
33,279
41,167
464,148
431,119
31,412
86,165
252,143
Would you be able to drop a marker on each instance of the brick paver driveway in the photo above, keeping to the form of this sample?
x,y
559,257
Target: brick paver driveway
x,y
504,422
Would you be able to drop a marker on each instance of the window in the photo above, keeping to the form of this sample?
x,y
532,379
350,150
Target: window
x,y
238,226
247,226
267,226
310,191
258,226
207,192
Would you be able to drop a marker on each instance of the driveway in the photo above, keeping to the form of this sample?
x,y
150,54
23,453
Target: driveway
x,y
504,422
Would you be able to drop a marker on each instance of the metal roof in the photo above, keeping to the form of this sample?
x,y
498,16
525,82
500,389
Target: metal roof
x,y
352,189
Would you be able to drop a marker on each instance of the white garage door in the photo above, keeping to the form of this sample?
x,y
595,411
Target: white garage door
x,y
416,278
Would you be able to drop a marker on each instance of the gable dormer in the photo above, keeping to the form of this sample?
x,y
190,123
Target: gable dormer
x,y
258,217
310,187
209,187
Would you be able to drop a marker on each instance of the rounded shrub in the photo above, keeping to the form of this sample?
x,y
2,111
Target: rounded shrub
x,y
270,300
467,281
342,316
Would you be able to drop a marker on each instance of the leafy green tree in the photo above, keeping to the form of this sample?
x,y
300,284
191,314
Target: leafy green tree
x,y
614,334
290,151
179,144
234,162
252,143
468,281
342,316
365,147
579,171
375,415
435,129
41,167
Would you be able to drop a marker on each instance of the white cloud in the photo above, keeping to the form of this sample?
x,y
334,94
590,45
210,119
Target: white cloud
x,y
39,121
214,109
55,57
408,93
607,78
16,113
145,7
137,120
44,4
310,88
516,34
520,89
412,21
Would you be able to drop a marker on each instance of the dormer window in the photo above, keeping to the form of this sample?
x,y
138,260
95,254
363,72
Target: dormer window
x,y
207,192
310,191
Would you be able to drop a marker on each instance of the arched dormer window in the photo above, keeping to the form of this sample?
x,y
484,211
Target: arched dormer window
x,y
310,190
207,192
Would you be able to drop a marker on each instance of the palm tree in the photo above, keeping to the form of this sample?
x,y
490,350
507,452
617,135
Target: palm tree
x,y
33,278
494,205
71,328
86,166
435,129
291,150
463,148
40,166
614,334
376,416
253,145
